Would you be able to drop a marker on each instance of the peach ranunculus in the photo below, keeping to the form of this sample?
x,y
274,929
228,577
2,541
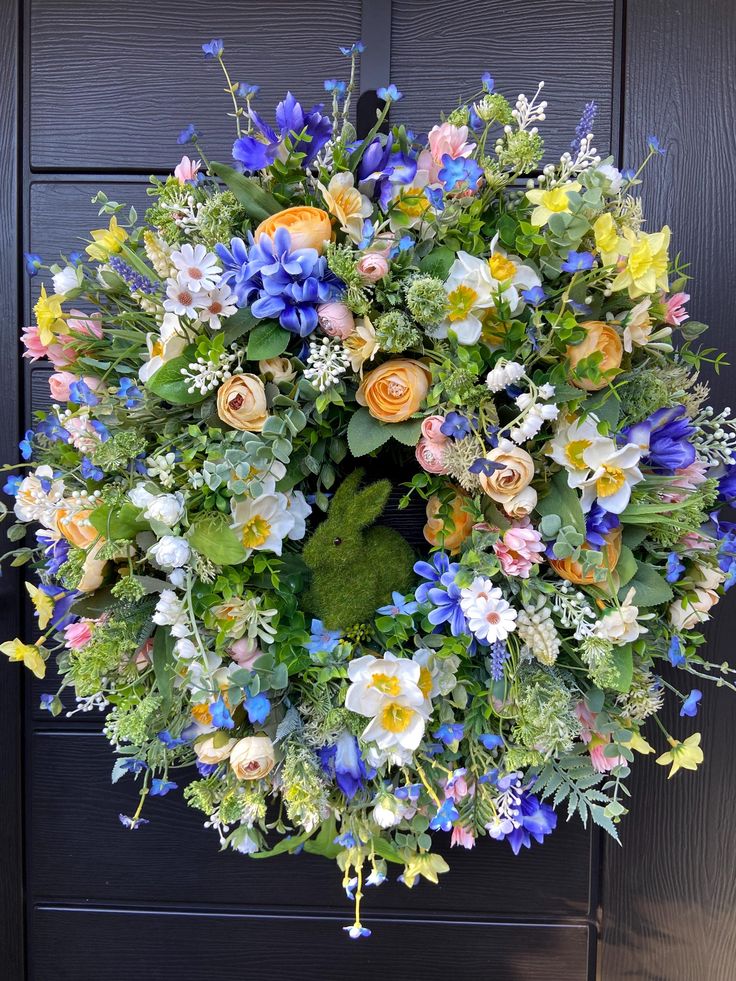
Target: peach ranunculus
x,y
394,391
461,519
252,757
573,571
73,524
309,228
372,267
241,403
430,452
600,338
277,369
336,319
515,472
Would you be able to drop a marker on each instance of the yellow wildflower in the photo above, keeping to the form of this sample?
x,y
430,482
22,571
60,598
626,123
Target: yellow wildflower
x,y
646,262
685,755
29,654
42,603
606,239
424,864
106,241
639,744
554,201
49,316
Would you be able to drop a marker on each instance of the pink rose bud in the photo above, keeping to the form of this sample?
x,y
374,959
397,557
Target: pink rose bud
x,y
430,454
244,652
336,320
76,635
372,267
432,428
59,385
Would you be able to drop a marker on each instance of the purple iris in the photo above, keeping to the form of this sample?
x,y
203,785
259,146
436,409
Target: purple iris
x,y
55,552
665,439
276,281
727,485
434,572
598,523
385,167
342,761
307,133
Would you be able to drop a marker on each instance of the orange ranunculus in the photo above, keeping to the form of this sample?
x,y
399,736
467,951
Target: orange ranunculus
x,y
395,390
309,227
573,571
599,338
74,525
241,403
462,521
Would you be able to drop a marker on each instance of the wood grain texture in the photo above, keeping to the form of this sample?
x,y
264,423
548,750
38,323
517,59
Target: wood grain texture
x,y
440,50
82,853
87,945
114,83
670,894
11,682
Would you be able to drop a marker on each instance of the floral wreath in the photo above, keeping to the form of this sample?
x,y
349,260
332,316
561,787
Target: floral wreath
x,y
241,381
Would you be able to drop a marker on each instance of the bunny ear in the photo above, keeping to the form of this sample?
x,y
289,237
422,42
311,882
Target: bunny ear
x,y
369,503
342,502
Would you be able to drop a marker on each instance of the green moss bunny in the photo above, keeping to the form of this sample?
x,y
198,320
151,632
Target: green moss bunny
x,y
355,567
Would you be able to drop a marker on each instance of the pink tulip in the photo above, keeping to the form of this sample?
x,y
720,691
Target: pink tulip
x,y
77,635
187,170
244,652
59,385
675,312
519,548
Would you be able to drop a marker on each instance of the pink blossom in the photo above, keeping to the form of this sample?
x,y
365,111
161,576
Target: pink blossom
x,y
695,542
77,635
336,319
598,758
430,454
457,787
586,718
432,429
82,324
463,837
689,477
372,267
244,652
519,548
82,434
59,385
444,139
675,312
187,170
143,655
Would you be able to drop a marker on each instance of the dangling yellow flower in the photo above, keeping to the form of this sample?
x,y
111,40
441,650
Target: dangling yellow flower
x,y
49,316
554,201
425,864
646,263
43,604
685,755
106,241
639,744
606,239
29,654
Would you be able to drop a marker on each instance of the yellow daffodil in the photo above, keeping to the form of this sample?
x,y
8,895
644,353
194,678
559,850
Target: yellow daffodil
x,y
43,604
29,654
646,262
639,744
106,241
686,755
49,316
606,239
424,865
554,201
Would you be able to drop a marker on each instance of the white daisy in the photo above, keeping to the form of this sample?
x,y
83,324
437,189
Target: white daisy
x,y
491,619
478,591
198,268
217,304
181,299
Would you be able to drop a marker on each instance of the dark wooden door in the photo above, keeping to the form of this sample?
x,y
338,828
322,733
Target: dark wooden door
x,y
96,93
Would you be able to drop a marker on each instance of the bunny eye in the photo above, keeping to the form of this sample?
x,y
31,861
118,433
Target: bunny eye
x,y
337,541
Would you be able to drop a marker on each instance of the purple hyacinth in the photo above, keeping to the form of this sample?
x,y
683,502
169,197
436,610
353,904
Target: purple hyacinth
x,y
585,125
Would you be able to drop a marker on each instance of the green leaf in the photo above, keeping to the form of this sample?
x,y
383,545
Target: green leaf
x,y
212,536
623,668
285,845
438,262
162,657
606,406
407,432
267,341
240,323
650,588
366,434
626,566
594,700
257,203
562,500
169,383
634,535
122,522
324,841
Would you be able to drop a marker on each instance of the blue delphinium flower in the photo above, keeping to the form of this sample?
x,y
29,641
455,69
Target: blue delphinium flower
x,y
33,262
456,426
450,733
382,168
258,708
727,552
356,930
654,144
356,48
488,82
205,769
436,197
131,765
55,551
690,704
534,295
434,572
459,170
447,609
130,393
132,823
484,466
81,394
335,85
490,741
675,568
322,640
536,820
245,90
89,470
664,438
159,787
675,655
446,814
26,445
52,429
47,702
577,261
727,485
598,524
343,762
12,484
213,48
585,125
389,93
409,791
399,604
187,135
276,281
169,741
220,714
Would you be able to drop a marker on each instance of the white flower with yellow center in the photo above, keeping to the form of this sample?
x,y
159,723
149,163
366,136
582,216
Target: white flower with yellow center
x,y
262,523
387,691
409,204
347,204
361,345
470,289
512,274
553,201
169,344
614,472
575,435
